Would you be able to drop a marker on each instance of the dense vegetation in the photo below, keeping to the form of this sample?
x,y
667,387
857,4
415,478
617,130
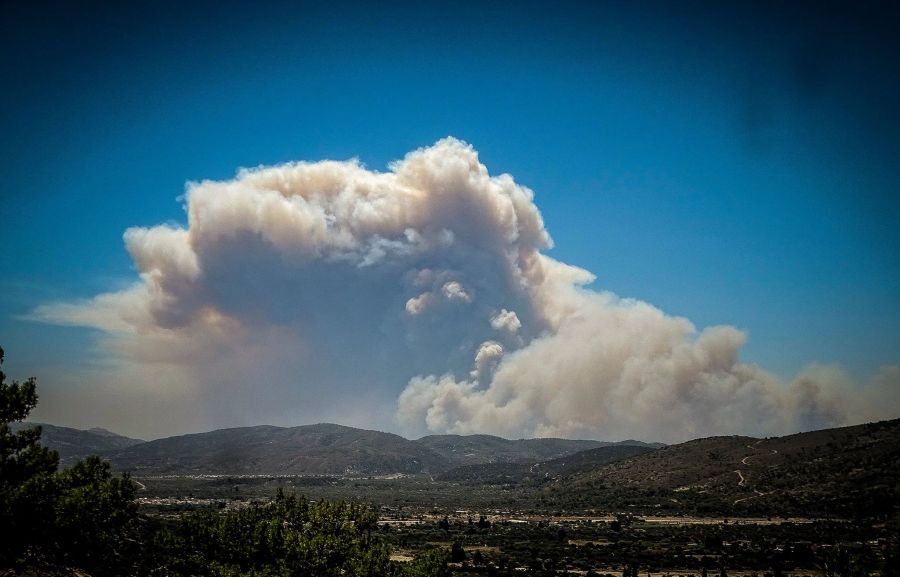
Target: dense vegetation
x,y
561,546
287,536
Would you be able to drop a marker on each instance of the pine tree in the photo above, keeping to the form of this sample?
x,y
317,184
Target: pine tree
x,y
80,517
27,473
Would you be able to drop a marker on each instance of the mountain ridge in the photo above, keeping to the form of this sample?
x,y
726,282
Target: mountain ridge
x,y
536,473
316,449
842,471
75,444
846,471
323,448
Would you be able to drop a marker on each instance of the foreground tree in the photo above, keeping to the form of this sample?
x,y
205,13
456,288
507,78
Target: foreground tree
x,y
27,469
288,536
80,517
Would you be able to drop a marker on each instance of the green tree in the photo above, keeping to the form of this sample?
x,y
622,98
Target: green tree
x,y
95,518
457,553
288,536
842,561
428,563
27,469
81,517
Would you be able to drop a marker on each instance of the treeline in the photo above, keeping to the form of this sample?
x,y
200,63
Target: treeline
x,y
288,536
84,519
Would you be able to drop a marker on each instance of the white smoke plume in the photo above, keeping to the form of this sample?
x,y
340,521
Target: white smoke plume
x,y
313,291
506,321
486,361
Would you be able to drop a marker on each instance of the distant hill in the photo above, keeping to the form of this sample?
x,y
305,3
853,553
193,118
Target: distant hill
x,y
323,449
542,471
846,471
75,444
849,471
478,449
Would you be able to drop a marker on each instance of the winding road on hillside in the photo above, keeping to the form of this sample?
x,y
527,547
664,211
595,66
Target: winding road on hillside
x,y
758,494
742,481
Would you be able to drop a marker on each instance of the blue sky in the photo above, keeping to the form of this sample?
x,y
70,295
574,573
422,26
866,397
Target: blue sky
x,y
732,165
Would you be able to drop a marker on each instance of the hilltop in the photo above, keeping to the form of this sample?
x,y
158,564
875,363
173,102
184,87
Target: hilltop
x,y
321,449
480,449
532,473
848,471
75,444
306,450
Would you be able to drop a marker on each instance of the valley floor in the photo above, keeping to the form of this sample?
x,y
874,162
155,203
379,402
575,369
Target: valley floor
x,y
496,530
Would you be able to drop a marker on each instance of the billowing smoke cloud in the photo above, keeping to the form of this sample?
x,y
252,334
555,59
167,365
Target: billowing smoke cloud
x,y
313,291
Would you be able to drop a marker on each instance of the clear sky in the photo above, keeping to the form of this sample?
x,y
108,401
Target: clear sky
x,y
733,165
